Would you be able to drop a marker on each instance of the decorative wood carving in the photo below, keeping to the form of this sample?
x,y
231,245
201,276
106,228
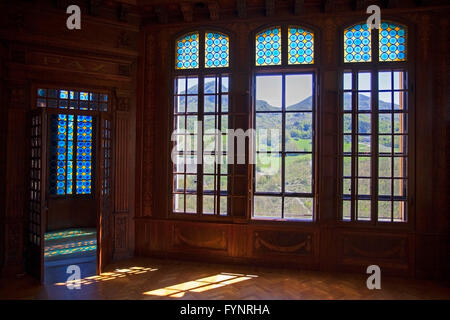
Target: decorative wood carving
x,y
360,4
381,247
217,243
241,6
120,232
330,38
270,7
162,15
214,10
329,6
282,242
187,9
123,12
298,6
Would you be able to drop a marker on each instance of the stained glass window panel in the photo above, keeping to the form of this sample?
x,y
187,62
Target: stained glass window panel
x,y
84,154
300,46
61,158
392,45
188,52
268,47
216,50
357,44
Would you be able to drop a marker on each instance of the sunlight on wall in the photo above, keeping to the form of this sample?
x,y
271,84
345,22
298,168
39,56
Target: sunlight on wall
x,y
106,276
200,285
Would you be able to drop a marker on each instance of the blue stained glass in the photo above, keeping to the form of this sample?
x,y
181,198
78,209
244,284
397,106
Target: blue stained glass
x,y
216,50
187,52
301,46
357,44
84,154
392,38
268,47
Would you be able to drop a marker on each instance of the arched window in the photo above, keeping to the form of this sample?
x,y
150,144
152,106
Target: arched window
x,y
284,120
374,124
200,123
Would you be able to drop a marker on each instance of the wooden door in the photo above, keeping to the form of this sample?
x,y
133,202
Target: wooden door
x,y
37,208
104,192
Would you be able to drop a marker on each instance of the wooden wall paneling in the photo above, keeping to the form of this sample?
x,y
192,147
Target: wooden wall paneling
x,y
40,49
3,135
15,197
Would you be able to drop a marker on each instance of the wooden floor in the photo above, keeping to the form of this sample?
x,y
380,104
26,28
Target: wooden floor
x,y
140,278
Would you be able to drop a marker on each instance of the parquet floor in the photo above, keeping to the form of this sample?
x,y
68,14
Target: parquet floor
x,y
143,278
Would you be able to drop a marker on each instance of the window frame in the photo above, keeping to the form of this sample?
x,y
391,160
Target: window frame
x,y
95,135
287,69
374,67
200,73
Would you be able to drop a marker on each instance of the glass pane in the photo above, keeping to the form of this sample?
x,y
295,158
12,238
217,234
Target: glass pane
x,y
347,167
364,101
216,50
347,81
363,210
298,208
192,104
191,182
400,167
364,123
346,186
192,85
178,202
364,167
384,210
225,84
187,52
399,211
179,182
298,131
191,203
347,101
208,204
400,144
268,173
223,205
210,85
210,103
301,46
400,187
384,101
347,125
384,187
384,80
364,81
384,166
385,144
364,187
208,183
364,145
268,47
268,93
346,207
347,144
357,43
298,173
268,131
392,38
267,207
299,92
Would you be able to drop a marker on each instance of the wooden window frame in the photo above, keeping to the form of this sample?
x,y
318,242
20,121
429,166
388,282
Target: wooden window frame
x,y
286,69
201,72
374,67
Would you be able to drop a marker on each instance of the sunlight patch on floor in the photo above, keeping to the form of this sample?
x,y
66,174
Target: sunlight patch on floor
x,y
200,285
107,276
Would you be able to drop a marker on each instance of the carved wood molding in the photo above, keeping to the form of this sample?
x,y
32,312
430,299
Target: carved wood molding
x,y
282,249
241,7
398,250
214,10
187,9
330,38
217,243
298,6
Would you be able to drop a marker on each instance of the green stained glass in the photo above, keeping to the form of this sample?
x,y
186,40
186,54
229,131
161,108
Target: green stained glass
x,y
268,47
187,52
300,46
216,50
392,42
357,43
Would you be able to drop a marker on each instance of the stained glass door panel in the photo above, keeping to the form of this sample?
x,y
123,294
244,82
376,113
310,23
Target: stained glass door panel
x,y
37,195
105,236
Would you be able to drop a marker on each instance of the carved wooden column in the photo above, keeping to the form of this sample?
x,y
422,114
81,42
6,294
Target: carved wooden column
x,y
121,215
328,115
15,193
